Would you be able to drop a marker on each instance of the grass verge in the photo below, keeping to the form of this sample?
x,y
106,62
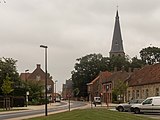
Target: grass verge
x,y
92,114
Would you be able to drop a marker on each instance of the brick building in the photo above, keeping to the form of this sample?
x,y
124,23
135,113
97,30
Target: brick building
x,y
39,75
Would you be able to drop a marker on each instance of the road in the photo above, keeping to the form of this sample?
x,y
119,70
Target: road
x,y
40,112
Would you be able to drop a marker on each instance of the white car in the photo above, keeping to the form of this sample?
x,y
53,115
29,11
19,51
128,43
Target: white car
x,y
127,106
151,104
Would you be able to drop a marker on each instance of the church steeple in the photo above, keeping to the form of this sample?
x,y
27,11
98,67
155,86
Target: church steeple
x,y
117,43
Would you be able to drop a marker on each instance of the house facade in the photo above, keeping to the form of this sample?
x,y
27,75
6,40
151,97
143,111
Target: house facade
x,y
95,88
144,83
113,82
38,75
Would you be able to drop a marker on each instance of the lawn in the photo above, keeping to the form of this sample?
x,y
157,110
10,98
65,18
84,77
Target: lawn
x,y
92,114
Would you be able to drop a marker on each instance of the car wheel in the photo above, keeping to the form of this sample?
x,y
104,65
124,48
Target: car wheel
x,y
120,109
136,110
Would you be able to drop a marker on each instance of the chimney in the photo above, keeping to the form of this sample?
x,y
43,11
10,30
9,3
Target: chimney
x,y
38,65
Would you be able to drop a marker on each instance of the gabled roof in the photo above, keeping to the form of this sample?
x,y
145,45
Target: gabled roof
x,y
149,74
102,76
119,75
24,76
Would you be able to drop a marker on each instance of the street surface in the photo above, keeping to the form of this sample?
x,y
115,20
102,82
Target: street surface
x,y
23,114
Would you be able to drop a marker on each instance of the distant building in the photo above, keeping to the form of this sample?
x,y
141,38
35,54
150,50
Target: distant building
x,y
117,42
67,89
39,75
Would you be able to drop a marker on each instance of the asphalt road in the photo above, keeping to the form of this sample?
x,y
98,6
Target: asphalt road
x,y
23,114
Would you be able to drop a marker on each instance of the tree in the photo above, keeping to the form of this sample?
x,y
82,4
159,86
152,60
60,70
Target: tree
x,y
35,89
86,69
150,55
7,86
119,89
8,68
119,62
136,63
6,89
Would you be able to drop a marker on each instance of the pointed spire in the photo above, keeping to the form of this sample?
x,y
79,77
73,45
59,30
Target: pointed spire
x,y
117,43
117,16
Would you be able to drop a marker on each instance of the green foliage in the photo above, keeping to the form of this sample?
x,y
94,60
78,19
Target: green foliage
x,y
150,55
8,67
86,69
119,62
120,88
35,89
136,63
7,86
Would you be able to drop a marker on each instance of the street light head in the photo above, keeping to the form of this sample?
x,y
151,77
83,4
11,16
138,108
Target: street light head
x,y
43,46
26,70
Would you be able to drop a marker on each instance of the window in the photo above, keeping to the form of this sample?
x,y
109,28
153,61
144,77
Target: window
x,y
137,94
147,93
157,92
129,95
133,94
148,101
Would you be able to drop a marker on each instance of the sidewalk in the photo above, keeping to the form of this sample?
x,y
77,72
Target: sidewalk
x,y
29,107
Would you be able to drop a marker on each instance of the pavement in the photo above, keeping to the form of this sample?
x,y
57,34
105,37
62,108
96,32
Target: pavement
x,y
52,105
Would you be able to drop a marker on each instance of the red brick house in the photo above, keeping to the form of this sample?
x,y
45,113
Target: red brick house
x,y
144,83
95,88
39,75
112,81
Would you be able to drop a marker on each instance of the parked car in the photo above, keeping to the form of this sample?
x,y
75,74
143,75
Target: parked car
x,y
151,104
97,100
127,106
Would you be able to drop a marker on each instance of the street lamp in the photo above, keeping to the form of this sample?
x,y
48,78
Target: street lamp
x,y
45,47
55,90
26,75
27,92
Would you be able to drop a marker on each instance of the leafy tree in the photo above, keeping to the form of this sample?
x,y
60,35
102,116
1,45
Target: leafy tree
x,y
86,69
136,63
35,90
8,67
150,55
7,86
119,62
119,89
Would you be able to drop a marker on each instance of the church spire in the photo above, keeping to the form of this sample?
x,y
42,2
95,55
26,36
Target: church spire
x,y
117,43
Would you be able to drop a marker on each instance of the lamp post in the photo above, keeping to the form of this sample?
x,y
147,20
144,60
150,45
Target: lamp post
x,y
55,90
27,92
45,47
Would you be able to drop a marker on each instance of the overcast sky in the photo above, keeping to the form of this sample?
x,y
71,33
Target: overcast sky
x,y
72,29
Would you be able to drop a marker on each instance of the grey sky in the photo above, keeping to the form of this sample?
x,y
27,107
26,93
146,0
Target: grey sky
x,y
72,29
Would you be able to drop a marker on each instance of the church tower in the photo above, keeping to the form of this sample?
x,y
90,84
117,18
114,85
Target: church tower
x,y
117,43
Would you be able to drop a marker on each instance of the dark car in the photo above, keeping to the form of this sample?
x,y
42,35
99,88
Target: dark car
x,y
127,106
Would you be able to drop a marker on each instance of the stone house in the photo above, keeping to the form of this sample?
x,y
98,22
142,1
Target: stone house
x,y
144,83
38,75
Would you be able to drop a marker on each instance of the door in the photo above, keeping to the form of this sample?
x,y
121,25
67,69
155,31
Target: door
x,y
147,106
